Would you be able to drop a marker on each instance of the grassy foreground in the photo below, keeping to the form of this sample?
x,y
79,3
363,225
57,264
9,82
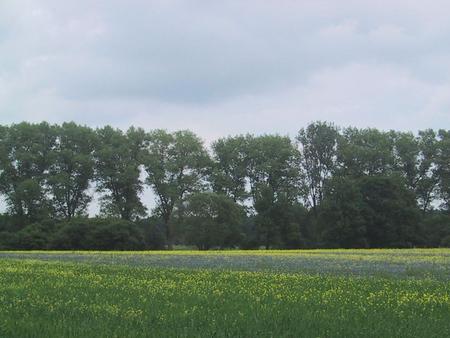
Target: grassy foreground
x,y
60,295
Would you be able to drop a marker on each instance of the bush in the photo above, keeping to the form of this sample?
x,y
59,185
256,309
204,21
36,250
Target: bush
x,y
98,234
12,223
8,240
446,242
154,233
213,221
35,236
436,226
32,237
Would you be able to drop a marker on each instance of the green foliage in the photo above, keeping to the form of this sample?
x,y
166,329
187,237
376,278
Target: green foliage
x,y
97,234
341,220
118,157
391,213
35,236
230,167
213,221
335,187
415,159
8,240
273,177
71,170
445,242
176,165
154,233
443,165
372,211
318,142
26,155
436,227
366,152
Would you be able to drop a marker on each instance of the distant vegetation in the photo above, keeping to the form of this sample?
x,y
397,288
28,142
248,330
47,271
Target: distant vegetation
x,y
329,187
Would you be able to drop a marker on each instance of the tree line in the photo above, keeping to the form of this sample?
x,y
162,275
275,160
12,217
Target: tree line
x,y
327,187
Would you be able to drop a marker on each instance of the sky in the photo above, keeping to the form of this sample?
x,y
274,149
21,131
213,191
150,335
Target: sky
x,y
226,67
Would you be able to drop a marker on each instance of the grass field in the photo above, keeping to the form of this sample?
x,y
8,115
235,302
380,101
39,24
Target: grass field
x,y
318,293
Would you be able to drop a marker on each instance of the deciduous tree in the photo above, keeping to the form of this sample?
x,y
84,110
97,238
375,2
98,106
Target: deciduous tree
x,y
118,158
175,164
71,170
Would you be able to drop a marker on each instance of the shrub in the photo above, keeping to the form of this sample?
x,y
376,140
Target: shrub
x,y
98,234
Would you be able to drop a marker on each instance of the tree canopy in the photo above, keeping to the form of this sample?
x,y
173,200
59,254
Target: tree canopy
x,y
327,187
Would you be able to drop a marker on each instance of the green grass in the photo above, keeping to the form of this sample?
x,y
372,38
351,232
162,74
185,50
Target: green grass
x,y
60,295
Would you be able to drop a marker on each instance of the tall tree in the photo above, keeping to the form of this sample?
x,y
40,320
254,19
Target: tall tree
x,y
365,152
318,144
443,167
369,211
273,176
390,213
71,170
341,220
415,160
175,164
118,158
4,157
229,168
25,161
407,154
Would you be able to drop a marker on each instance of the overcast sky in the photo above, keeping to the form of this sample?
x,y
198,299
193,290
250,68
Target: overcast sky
x,y
226,67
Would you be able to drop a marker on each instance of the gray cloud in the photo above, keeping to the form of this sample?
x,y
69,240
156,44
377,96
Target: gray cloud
x,y
226,67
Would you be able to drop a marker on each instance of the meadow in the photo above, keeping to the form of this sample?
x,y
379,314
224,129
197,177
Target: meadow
x,y
313,293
